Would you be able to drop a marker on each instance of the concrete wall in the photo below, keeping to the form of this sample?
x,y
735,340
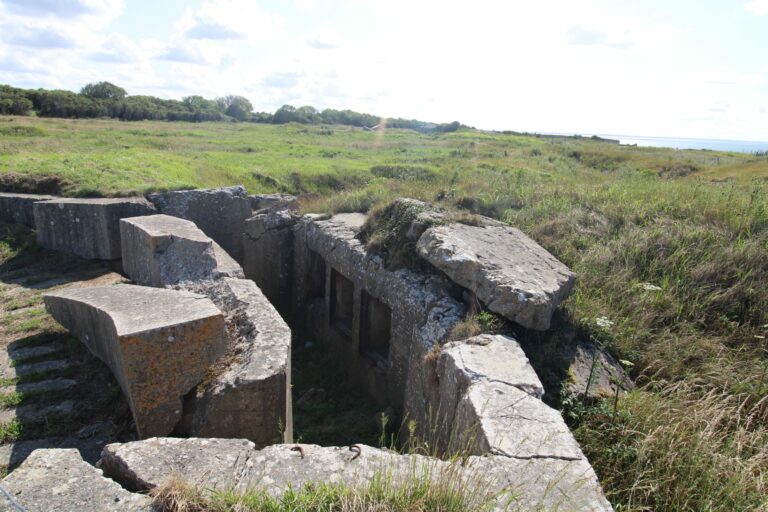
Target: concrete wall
x,y
18,209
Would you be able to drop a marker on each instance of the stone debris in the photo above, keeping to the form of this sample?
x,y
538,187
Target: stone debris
x,y
58,480
510,273
18,209
250,396
274,202
218,212
88,228
217,464
158,343
160,250
89,441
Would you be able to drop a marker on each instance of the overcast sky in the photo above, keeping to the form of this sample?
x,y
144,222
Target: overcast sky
x,y
646,67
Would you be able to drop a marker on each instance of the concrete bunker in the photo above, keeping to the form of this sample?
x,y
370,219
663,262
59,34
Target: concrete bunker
x,y
375,330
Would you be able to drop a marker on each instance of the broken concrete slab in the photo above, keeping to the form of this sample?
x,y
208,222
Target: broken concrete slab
x,y
218,212
510,273
268,256
18,209
59,480
160,250
216,464
250,394
495,358
159,343
274,202
86,227
89,441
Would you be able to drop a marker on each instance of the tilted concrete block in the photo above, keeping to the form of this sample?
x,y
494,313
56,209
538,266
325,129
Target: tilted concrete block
x,y
158,343
218,212
160,250
89,228
18,208
249,394
510,273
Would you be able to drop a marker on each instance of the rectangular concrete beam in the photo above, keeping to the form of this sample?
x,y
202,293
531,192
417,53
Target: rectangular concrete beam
x,y
86,227
17,208
159,343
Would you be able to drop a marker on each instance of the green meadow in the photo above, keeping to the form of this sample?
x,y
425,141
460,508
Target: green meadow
x,y
670,248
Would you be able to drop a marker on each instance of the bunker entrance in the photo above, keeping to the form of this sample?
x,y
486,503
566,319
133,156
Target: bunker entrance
x,y
315,277
342,304
375,330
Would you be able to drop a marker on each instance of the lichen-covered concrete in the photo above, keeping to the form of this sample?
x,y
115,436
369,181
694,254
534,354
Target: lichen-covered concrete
x,y
88,228
158,343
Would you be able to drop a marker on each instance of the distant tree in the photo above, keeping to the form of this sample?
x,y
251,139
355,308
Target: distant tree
x,y
103,91
285,114
14,102
234,106
198,103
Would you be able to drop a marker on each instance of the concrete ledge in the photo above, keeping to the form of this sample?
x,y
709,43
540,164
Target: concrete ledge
x,y
18,209
158,343
86,227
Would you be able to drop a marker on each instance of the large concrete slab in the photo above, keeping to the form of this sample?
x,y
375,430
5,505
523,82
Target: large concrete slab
x,y
218,212
18,209
513,275
250,394
159,343
218,464
86,227
59,480
160,250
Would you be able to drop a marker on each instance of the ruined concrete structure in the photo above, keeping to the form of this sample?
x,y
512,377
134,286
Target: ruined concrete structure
x,y
389,326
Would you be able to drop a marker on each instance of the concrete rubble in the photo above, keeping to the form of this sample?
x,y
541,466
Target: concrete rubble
x,y
88,228
59,480
235,464
218,212
510,273
273,202
159,250
18,208
248,392
158,343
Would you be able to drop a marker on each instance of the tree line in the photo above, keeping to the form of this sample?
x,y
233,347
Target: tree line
x,y
104,99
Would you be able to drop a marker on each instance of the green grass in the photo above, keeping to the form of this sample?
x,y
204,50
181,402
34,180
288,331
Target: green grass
x,y
694,223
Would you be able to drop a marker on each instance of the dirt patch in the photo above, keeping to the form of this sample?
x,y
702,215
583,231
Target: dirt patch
x,y
33,184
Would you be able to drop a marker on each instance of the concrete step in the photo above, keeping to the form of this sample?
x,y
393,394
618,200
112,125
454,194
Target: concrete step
x,y
35,413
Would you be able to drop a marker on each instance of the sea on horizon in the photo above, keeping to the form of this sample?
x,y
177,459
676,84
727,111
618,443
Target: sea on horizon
x,y
739,146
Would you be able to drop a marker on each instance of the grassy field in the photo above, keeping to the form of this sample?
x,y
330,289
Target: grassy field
x,y
694,224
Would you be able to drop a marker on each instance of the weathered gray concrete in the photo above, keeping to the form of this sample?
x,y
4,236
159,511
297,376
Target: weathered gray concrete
x,y
43,386
58,480
18,209
35,414
274,202
158,343
268,256
250,394
212,464
160,250
510,273
86,227
346,297
218,212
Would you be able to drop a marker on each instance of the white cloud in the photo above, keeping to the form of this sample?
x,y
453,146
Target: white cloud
x,y
757,6
116,48
223,20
